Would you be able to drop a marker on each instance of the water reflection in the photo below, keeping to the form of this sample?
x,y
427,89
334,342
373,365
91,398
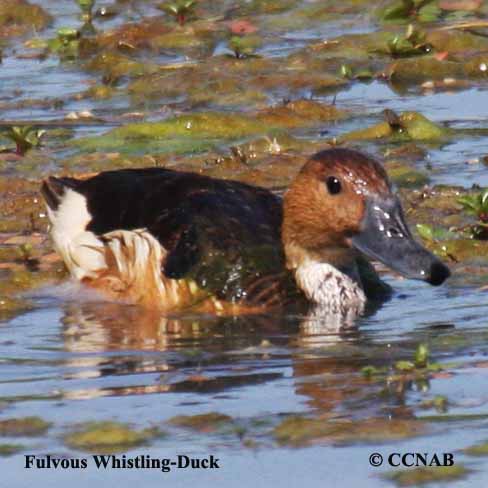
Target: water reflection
x,y
106,326
124,350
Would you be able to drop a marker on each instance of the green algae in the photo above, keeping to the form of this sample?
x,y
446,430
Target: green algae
x,y
226,81
463,249
115,66
108,437
10,449
419,128
23,427
411,126
478,450
205,125
404,366
202,131
372,371
431,234
189,40
439,403
256,7
185,133
419,69
425,475
206,422
299,431
300,113
404,176
455,41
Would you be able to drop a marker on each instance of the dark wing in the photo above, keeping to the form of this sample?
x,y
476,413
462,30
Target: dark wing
x,y
223,234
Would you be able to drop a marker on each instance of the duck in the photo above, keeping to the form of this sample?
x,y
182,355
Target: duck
x,y
176,242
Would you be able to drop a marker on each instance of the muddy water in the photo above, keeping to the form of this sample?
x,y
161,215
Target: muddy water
x,y
71,360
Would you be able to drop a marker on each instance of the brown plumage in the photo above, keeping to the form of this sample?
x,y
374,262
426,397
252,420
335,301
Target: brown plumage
x,y
178,241
319,224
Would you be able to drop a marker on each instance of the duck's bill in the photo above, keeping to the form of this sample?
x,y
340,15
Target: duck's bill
x,y
385,237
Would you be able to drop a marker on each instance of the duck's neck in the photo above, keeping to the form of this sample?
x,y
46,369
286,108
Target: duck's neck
x,y
335,287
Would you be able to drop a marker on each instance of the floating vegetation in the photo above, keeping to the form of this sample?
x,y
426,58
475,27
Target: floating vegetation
x,y
205,422
86,7
478,450
300,431
244,46
425,475
180,10
477,206
407,126
24,427
401,11
108,437
10,449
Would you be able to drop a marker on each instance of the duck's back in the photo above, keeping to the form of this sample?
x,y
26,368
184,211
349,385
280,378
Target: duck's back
x,y
218,239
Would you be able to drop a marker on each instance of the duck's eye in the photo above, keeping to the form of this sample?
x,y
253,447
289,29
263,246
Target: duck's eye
x,y
333,185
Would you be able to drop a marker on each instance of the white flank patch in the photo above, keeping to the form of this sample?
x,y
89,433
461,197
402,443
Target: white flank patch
x,y
81,250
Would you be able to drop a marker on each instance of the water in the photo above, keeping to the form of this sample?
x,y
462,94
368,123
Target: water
x,y
71,361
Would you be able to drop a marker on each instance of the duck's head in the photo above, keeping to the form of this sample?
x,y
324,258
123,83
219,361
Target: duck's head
x,y
342,203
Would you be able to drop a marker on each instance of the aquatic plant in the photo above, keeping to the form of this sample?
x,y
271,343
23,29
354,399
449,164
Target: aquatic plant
x,y
10,449
67,35
241,41
108,437
434,234
181,10
25,137
244,46
349,74
413,43
431,474
25,252
477,206
408,10
420,360
24,427
86,7
66,44
421,356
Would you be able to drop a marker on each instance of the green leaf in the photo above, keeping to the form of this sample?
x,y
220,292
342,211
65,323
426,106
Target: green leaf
x,y
425,232
484,197
398,11
429,13
170,9
346,72
404,366
421,357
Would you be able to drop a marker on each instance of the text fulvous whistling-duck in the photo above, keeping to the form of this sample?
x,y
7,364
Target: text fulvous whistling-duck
x,y
180,241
